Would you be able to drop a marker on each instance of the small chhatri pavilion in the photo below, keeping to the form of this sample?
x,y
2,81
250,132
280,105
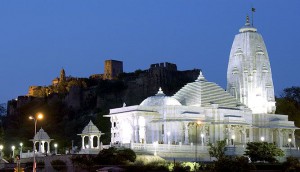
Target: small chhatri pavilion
x,y
94,145
41,137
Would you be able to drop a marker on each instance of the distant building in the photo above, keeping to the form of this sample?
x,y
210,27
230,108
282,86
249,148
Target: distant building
x,y
62,78
112,69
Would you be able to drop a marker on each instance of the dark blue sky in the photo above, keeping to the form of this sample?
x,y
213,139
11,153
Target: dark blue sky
x,y
38,38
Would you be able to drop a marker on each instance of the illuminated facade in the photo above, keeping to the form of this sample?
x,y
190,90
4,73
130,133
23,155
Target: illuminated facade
x,y
249,76
244,113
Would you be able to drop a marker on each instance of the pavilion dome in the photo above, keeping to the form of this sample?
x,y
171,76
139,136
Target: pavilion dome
x,y
90,128
41,135
160,99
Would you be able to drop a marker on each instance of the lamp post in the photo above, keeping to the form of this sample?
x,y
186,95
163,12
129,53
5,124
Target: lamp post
x,y
21,145
39,116
1,148
55,146
290,140
262,138
13,149
198,123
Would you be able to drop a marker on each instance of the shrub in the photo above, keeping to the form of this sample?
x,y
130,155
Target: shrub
x,y
291,164
82,161
233,164
59,165
114,156
218,150
263,151
126,155
29,164
40,164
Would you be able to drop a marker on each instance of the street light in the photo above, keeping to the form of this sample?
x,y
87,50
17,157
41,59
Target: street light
x,y
55,146
39,116
13,149
1,148
262,138
21,144
198,123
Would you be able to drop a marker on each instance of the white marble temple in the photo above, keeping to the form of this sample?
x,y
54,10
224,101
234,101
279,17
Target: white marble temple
x,y
202,112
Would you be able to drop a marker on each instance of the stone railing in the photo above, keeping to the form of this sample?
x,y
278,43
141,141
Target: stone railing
x,y
166,147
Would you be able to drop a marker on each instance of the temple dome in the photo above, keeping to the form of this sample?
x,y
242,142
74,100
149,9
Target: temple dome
x,y
160,99
90,128
41,135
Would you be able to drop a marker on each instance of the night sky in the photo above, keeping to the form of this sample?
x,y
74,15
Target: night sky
x,y
38,38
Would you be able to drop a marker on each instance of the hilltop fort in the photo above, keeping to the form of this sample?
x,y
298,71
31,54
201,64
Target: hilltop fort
x,y
114,86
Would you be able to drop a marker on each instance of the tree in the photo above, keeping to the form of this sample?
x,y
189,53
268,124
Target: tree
x,y
218,150
230,164
114,156
292,94
2,109
289,104
263,151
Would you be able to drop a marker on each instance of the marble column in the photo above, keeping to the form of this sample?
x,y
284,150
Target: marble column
x,y
83,146
186,133
244,137
280,138
48,148
91,141
98,142
293,138
42,146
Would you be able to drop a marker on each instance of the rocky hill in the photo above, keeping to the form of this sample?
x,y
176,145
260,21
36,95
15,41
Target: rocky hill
x,y
75,102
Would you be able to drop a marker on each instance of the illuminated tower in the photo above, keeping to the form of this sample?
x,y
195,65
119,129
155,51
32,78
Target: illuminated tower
x,y
62,75
249,76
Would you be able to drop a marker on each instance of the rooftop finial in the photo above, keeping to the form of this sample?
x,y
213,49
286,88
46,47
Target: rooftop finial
x,y
247,21
160,92
200,77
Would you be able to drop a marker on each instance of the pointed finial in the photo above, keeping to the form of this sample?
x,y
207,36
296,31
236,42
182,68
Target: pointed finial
x,y
160,92
200,77
247,21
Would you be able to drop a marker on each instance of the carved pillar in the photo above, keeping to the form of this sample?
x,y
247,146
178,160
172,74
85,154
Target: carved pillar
x,y
98,141
82,139
243,133
271,135
42,146
186,133
293,138
91,141
280,137
226,134
48,149
251,134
